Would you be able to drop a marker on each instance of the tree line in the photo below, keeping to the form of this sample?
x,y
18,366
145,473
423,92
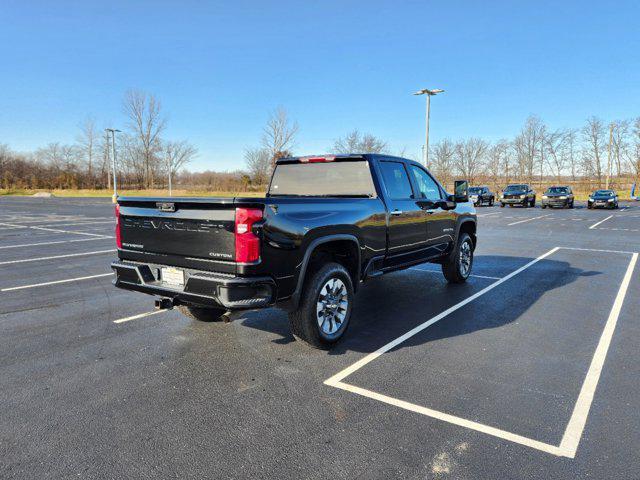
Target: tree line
x,y
596,155
145,158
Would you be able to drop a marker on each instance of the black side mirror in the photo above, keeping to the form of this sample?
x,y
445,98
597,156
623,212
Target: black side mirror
x,y
461,191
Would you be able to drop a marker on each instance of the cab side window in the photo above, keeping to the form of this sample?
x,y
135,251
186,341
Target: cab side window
x,y
396,180
427,186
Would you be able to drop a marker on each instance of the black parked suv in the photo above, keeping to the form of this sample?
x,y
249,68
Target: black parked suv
x,y
481,195
558,197
603,199
518,194
326,225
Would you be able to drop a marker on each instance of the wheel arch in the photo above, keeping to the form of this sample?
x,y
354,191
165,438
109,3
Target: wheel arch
x,y
341,248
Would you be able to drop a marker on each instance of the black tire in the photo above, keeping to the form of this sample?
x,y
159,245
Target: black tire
x,y
543,206
571,204
525,203
501,205
202,314
533,202
589,207
491,202
452,266
305,321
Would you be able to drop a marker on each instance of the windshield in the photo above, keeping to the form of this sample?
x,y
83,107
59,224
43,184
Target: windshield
x,y
557,190
328,179
604,193
515,188
475,190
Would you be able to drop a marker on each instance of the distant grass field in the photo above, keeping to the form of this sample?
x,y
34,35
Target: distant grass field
x,y
133,193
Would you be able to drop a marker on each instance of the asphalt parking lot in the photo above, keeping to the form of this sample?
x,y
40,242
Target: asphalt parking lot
x,y
530,370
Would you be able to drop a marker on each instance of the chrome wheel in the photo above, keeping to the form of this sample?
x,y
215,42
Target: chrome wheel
x,y
332,306
466,256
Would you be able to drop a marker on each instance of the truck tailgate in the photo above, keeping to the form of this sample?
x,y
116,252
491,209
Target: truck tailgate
x,y
192,228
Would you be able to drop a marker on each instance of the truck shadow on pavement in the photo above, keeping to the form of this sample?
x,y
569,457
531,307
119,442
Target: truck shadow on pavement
x,y
389,306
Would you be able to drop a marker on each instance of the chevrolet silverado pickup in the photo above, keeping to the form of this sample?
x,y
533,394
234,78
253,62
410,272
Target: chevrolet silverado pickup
x,y
326,225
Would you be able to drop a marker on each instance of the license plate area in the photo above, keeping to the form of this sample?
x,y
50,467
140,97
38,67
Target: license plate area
x,y
172,276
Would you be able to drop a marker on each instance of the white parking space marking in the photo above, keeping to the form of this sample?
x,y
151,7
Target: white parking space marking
x,y
528,220
73,224
55,282
619,229
600,222
25,245
52,230
573,432
98,252
141,315
487,214
439,271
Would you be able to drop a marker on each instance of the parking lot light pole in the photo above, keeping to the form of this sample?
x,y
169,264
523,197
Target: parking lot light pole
x,y
113,147
429,94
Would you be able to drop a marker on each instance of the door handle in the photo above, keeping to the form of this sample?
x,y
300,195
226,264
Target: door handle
x,y
396,212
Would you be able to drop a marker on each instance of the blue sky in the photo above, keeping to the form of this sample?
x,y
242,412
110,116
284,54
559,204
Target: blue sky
x,y
219,68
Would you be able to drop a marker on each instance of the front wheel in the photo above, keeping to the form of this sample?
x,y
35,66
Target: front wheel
x,y
324,312
533,202
491,202
501,205
457,266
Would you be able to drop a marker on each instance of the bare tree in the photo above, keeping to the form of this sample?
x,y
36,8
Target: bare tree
x,y
279,134
594,138
619,143
354,142
88,145
570,152
176,155
469,157
555,153
258,162
146,124
527,145
498,161
633,152
442,160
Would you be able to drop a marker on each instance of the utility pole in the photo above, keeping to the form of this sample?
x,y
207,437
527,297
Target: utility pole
x,y
113,131
106,156
609,156
429,94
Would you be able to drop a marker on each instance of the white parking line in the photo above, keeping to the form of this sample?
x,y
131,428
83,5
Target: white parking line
x,y
528,220
48,224
439,271
98,252
598,223
55,230
55,243
141,315
22,287
573,432
487,214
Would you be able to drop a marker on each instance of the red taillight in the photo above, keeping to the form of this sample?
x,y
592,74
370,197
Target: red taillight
x,y
247,244
118,236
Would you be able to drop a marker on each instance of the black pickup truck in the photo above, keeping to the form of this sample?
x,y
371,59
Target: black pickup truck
x,y
325,226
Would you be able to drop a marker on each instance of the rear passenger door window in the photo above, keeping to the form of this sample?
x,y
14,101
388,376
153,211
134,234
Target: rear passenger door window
x,y
396,180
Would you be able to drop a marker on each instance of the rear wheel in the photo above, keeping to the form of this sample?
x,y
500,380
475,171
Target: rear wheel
x,y
202,314
324,312
457,266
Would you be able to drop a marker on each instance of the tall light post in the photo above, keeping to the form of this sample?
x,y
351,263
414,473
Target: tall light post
x,y
429,94
113,147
